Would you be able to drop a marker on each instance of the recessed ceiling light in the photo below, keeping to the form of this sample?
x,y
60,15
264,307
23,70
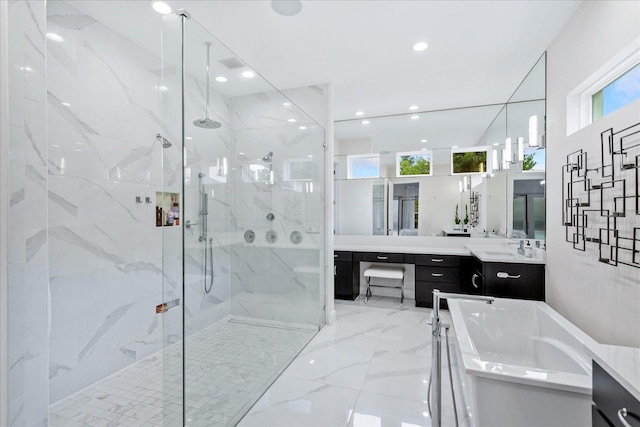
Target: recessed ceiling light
x,y
162,88
420,46
496,144
55,37
66,104
221,79
359,113
242,154
424,149
248,74
187,137
423,140
161,7
365,122
291,120
302,128
415,117
413,107
309,155
286,104
454,146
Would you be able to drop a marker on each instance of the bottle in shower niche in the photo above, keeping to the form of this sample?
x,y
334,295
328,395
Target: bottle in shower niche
x,y
175,211
158,216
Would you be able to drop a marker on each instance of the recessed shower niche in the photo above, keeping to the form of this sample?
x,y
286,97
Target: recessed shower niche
x,y
167,209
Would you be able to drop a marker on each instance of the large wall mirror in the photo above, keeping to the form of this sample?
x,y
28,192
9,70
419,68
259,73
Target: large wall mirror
x,y
465,172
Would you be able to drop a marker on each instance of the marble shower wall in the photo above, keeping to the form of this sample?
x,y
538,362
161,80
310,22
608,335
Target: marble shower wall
x,y
28,240
280,281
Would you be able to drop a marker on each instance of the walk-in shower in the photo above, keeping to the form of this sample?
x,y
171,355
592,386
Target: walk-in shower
x,y
183,317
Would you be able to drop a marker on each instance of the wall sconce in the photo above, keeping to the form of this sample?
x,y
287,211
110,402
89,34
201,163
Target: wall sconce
x,y
520,149
533,131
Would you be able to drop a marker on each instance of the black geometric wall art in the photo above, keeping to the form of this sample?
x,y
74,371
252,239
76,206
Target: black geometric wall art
x,y
601,200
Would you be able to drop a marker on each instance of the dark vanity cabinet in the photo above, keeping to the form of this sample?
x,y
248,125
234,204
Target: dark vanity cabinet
x,y
346,286
447,273
612,401
507,280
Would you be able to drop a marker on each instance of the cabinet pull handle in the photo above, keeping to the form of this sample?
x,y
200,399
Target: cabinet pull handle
x,y
382,257
505,275
622,414
437,274
436,260
473,280
335,270
335,255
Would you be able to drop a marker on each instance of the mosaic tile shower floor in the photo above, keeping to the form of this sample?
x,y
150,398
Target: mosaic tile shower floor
x,y
229,365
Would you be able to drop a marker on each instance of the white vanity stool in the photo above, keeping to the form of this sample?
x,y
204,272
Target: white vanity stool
x,y
384,272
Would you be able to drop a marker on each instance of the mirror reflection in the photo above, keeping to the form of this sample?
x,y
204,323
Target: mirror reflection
x,y
464,172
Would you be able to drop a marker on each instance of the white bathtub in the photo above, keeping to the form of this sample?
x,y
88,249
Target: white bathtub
x,y
521,364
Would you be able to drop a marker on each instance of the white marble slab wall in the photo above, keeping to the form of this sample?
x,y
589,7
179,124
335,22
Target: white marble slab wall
x,y
282,280
105,267
28,241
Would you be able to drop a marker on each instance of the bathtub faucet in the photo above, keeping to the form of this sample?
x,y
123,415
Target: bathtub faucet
x,y
436,353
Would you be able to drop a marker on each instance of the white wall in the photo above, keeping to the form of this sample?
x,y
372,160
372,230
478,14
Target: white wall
x,y
600,299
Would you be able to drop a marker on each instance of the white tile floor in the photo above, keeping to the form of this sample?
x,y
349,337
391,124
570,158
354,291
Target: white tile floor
x,y
370,368
228,367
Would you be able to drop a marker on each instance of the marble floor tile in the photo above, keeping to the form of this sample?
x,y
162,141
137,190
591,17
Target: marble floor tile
x,y
299,403
384,411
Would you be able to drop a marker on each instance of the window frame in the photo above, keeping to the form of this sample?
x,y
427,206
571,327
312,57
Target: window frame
x,y
287,170
414,153
488,167
352,157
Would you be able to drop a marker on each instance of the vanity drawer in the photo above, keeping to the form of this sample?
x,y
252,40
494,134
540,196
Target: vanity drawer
x,y
513,280
342,256
383,257
609,396
438,260
424,292
438,274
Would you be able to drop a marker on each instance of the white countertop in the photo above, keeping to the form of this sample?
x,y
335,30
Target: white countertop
x,y
622,363
402,249
501,253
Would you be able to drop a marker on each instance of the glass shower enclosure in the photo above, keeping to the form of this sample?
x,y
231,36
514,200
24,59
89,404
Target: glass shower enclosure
x,y
242,217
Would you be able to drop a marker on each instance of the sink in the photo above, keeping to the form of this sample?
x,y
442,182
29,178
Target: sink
x,y
500,253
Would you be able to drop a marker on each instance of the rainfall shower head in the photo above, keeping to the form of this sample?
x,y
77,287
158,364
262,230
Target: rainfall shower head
x,y
207,123
164,141
268,157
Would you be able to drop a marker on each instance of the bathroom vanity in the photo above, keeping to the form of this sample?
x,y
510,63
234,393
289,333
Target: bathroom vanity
x,y
616,386
471,270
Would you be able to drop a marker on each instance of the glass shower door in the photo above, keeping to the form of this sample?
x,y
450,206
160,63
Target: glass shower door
x,y
248,221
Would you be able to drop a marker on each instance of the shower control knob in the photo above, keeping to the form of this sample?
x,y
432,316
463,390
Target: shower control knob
x,y
271,216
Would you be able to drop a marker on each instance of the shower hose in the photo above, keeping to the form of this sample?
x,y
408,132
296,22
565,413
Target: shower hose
x,y
208,260
453,395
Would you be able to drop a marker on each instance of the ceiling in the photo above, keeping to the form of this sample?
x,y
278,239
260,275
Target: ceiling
x,y
478,50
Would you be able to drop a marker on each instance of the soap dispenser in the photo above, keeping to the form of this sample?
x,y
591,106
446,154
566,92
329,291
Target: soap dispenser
x,y
528,250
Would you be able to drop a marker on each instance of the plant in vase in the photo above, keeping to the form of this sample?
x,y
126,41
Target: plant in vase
x,y
456,220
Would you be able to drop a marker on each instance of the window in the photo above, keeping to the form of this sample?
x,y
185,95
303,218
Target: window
x,y
414,163
622,91
614,85
534,159
469,160
363,166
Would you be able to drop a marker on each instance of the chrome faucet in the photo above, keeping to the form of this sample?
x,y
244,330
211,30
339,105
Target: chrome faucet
x,y
436,353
